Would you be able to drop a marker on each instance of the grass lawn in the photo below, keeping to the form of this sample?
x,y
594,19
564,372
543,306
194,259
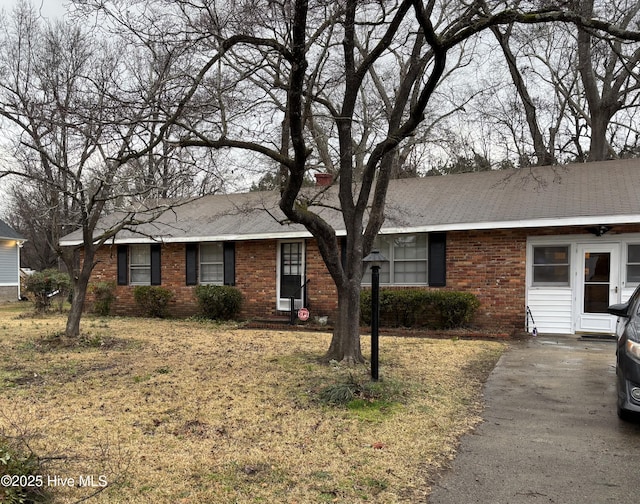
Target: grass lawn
x,y
169,411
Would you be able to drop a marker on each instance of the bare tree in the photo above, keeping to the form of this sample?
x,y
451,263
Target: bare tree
x,y
609,73
543,153
575,90
29,214
78,117
274,72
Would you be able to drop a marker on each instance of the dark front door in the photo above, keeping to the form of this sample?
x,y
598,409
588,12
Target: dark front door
x,y
291,274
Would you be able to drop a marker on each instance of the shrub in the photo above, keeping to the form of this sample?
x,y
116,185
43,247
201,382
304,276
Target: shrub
x,y
152,300
435,309
23,468
46,284
219,302
456,308
104,294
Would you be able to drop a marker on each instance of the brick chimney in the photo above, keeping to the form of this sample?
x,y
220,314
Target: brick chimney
x,y
323,179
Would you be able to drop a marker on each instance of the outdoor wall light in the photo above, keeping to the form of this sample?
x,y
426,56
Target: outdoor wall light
x,y
599,230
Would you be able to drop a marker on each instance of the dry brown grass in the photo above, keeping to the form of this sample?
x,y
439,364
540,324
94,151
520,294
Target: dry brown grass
x,y
191,412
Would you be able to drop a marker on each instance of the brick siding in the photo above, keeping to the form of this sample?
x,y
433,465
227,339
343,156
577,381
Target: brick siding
x,y
490,264
255,276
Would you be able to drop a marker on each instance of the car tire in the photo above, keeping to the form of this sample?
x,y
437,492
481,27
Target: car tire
x,y
623,414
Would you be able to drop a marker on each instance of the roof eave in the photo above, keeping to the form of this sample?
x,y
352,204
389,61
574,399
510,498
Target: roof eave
x,y
518,224
456,226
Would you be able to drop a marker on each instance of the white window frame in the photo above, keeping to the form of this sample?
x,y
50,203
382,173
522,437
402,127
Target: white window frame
x,y
566,283
628,244
139,267
387,270
213,263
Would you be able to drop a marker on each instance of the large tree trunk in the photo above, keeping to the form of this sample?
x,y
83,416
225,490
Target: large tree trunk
x,y
602,104
345,344
80,275
599,149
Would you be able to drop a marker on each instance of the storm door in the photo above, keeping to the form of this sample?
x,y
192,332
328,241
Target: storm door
x,y
291,274
598,287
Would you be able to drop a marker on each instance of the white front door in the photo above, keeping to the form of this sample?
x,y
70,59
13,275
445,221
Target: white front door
x,y
598,286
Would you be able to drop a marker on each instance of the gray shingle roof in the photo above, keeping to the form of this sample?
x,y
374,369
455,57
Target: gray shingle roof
x,y
578,194
8,233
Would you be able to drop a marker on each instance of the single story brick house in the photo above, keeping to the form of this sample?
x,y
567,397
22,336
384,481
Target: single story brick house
x,y
10,244
561,243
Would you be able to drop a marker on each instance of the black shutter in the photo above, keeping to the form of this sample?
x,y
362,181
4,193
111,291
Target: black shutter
x,y
156,268
123,264
229,258
191,261
437,259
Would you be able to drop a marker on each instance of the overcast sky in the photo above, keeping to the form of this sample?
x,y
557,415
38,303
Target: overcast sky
x,y
48,8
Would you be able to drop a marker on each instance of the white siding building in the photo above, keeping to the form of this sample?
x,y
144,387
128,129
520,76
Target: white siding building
x,y
10,244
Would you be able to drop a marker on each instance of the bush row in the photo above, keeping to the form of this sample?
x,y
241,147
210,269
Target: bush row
x,y
434,309
218,302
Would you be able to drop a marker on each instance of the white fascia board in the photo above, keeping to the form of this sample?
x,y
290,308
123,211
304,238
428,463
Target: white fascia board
x,y
461,226
528,223
195,239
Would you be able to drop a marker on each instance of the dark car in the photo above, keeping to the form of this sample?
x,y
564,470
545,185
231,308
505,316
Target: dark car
x,y
628,355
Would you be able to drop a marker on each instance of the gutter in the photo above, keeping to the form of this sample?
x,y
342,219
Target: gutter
x,y
461,226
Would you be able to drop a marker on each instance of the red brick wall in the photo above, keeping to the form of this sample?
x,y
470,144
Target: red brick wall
x,y
490,264
255,277
256,266
322,295
173,277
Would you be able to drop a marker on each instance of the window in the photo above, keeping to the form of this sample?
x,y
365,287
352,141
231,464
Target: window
x,y
410,259
211,263
633,264
551,265
407,256
140,265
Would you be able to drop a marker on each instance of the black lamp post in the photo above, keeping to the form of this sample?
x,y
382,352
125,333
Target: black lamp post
x,y
375,260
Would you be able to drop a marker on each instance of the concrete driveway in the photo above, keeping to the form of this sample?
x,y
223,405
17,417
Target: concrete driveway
x,y
550,431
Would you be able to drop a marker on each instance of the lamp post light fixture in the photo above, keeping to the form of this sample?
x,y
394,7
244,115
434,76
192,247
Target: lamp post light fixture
x,y
375,260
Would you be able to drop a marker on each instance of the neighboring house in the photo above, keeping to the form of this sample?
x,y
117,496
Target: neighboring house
x,y
10,244
561,241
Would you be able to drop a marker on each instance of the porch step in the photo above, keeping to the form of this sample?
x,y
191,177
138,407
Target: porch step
x,y
268,322
281,322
